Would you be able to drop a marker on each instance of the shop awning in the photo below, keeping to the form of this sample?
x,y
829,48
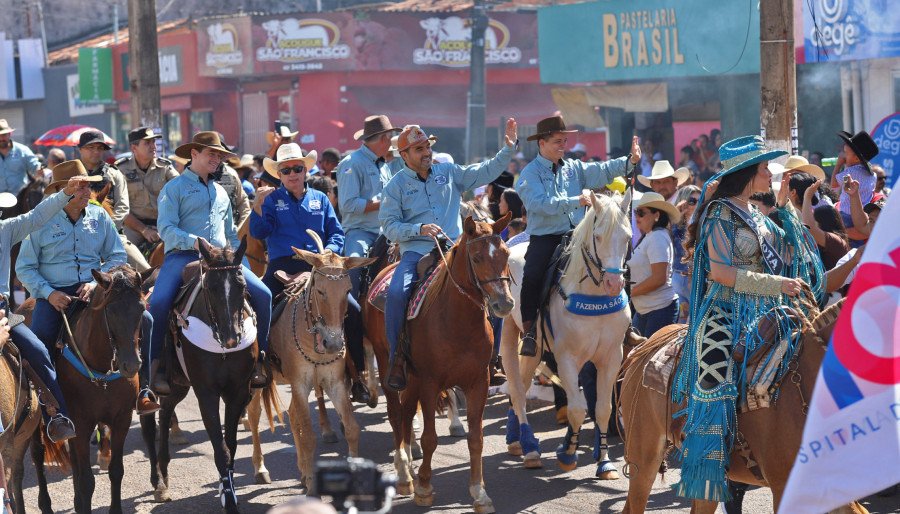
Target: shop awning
x,y
578,104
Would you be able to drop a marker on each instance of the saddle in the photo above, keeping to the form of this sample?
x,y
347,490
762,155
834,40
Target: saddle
x,y
379,249
16,361
426,269
293,284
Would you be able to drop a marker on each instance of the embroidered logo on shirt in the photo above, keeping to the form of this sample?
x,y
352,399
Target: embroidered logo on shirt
x,y
315,204
57,232
280,205
440,180
91,224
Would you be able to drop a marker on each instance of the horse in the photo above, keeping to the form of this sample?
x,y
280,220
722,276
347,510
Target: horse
x,y
597,250
223,375
105,336
473,278
309,338
768,439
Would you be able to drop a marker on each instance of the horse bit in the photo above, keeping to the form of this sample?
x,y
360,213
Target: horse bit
x,y
315,324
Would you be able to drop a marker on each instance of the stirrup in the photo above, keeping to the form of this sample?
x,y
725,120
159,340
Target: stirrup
x,y
529,343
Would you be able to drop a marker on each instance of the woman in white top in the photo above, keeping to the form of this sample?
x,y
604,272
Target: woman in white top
x,y
655,302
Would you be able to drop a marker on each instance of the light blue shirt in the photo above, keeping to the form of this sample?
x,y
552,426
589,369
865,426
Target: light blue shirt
x,y
14,230
409,202
62,253
360,180
15,167
189,209
552,198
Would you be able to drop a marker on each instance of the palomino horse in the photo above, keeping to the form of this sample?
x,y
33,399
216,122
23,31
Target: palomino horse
x,y
456,332
768,438
106,336
309,338
222,375
593,275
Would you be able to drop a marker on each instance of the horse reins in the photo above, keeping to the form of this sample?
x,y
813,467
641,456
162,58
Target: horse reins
x,y
214,324
472,275
113,365
313,322
595,261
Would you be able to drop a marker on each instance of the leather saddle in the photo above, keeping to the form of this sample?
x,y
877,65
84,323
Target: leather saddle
x,y
424,268
293,284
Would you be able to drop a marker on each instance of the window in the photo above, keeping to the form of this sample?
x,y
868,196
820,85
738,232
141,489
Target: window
x,y
172,122
201,121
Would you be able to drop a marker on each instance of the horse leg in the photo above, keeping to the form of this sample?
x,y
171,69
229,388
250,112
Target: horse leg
x,y
118,431
371,380
161,492
340,397
176,435
209,411
607,368
567,452
82,475
104,449
703,507
427,399
236,401
404,436
148,433
456,427
476,398
17,473
302,430
37,457
328,434
254,411
518,381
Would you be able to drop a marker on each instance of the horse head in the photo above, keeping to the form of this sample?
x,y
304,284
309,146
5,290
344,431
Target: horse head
x,y
224,288
487,256
119,302
599,245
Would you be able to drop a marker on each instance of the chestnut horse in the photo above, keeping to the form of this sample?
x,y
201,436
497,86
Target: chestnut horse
x,y
450,345
768,440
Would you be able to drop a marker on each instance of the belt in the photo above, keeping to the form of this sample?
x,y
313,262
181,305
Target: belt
x,y
146,221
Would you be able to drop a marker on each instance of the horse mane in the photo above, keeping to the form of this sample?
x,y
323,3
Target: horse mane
x,y
612,219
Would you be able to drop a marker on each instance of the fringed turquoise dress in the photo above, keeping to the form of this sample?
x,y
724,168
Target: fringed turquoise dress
x,y
721,317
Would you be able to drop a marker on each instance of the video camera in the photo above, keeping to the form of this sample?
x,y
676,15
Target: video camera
x,y
354,485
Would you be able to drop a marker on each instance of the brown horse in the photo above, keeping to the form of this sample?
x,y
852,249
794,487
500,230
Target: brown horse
x,y
450,345
768,440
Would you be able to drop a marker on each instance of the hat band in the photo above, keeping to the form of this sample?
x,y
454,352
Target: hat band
x,y
744,157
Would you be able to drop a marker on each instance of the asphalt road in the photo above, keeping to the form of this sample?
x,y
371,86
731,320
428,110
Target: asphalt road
x,y
513,489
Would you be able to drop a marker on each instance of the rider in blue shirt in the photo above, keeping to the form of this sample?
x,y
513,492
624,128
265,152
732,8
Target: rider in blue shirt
x,y
17,162
419,202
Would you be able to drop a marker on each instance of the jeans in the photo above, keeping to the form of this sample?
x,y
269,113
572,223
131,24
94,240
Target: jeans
x,y
398,296
169,282
647,324
356,244
35,352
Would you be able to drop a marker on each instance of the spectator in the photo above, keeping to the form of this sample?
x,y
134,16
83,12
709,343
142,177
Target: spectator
x,y
510,202
665,180
516,226
328,162
854,163
798,184
765,202
826,228
655,302
685,201
327,186
579,151
880,188
863,217
687,160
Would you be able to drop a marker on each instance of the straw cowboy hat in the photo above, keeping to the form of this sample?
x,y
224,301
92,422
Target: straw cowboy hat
x,y
799,163
66,170
289,152
203,140
375,125
862,145
656,201
5,128
548,126
411,136
664,169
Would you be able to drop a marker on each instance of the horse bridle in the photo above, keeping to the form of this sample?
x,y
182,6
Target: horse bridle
x,y
592,260
316,323
213,323
471,268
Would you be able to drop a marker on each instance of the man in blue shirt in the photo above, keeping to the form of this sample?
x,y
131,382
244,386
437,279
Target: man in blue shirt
x,y
551,189
17,162
190,207
422,201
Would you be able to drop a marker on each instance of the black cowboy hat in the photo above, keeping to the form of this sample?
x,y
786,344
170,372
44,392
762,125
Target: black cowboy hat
x,y
549,126
862,145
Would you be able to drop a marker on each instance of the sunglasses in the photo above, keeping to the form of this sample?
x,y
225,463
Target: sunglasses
x,y
293,169
693,201
640,213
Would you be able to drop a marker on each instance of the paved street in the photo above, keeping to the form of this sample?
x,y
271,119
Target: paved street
x,y
513,489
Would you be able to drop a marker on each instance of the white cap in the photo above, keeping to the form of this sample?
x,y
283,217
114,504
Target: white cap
x,y
579,147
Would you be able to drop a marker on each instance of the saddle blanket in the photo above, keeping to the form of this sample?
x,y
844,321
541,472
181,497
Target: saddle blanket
x,y
379,291
658,370
201,336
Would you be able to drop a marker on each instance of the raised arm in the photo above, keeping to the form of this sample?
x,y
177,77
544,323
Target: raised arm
x,y
857,213
475,175
807,214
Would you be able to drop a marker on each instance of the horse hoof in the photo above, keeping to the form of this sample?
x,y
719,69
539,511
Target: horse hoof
x,y
568,466
514,449
103,461
405,489
373,401
486,508
177,437
263,478
162,496
330,437
533,461
608,475
424,501
246,422
457,431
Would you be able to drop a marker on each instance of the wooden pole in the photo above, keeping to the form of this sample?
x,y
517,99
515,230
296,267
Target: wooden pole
x,y
778,74
475,119
143,67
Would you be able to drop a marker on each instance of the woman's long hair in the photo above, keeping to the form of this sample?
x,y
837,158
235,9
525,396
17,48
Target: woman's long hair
x,y
829,220
513,202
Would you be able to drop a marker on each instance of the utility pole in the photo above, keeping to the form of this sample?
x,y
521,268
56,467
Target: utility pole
x,y
475,144
40,12
143,67
778,79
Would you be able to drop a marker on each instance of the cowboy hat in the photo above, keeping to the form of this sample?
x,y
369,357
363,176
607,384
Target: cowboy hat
x,y
411,136
799,163
549,126
200,141
179,160
246,162
289,152
742,152
141,133
7,200
375,125
862,145
284,131
656,201
663,169
63,171
5,128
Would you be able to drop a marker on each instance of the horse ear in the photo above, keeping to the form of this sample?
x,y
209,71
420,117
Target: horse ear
x,y
595,203
205,249
469,226
358,262
501,224
626,200
104,279
147,273
241,249
313,259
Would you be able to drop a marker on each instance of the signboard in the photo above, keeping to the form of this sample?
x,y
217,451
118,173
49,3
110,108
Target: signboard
x,y
76,107
887,137
842,30
170,73
225,47
95,75
647,39
302,44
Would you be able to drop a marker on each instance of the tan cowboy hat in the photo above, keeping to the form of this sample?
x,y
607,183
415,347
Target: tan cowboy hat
x,y
289,152
179,160
5,128
656,201
663,169
246,162
411,136
375,125
799,163
549,126
203,140
66,170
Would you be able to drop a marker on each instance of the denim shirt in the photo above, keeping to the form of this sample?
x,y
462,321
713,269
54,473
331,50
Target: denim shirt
x,y
285,219
14,230
551,198
360,180
409,202
189,209
63,253
15,167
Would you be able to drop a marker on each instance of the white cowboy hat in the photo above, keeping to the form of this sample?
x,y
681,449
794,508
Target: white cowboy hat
x,y
663,169
799,163
656,201
289,152
7,200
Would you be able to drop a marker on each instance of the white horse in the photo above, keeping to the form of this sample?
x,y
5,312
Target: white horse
x,y
594,275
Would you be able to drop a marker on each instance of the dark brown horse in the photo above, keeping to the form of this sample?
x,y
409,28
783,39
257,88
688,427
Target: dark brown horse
x,y
450,345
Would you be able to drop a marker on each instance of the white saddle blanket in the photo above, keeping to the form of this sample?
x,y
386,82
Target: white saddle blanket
x,y
201,336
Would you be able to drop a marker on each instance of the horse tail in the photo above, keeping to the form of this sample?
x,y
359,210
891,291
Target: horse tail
x,y
272,401
55,454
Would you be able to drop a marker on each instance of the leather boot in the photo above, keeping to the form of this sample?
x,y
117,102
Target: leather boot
x,y
261,374
397,376
146,402
60,428
158,382
359,393
529,343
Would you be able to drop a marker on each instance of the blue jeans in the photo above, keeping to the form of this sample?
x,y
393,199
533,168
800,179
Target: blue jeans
x,y
647,324
398,296
169,282
35,352
356,244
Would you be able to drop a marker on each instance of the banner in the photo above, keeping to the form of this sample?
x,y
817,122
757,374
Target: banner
x,y
852,435
842,30
76,106
647,39
95,75
887,136
225,47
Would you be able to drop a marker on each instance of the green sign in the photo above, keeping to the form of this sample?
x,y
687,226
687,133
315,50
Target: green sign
x,y
95,77
647,39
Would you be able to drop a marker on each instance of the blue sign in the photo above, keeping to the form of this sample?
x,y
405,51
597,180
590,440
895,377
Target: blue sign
x,y
589,305
845,30
887,137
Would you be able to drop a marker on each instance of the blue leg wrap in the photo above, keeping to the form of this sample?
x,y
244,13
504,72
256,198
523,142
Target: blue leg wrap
x,y
529,441
512,427
570,443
